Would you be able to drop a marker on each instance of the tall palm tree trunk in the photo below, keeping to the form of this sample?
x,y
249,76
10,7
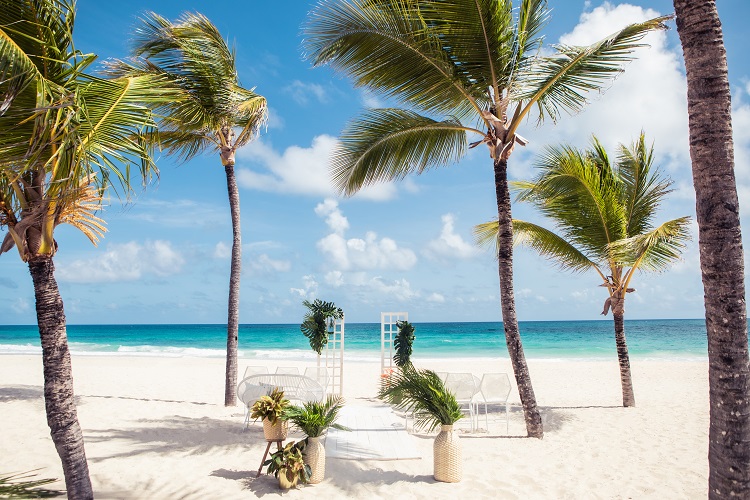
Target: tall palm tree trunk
x,y
508,302
720,243
628,398
233,319
59,400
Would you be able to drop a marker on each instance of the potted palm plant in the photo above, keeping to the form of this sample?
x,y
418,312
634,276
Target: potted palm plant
x,y
270,408
313,418
288,465
423,393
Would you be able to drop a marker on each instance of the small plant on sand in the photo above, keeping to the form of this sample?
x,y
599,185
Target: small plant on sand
x,y
403,343
422,393
319,316
288,465
315,417
271,406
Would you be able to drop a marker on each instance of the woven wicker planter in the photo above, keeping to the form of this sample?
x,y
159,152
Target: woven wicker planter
x,y
447,456
277,431
315,457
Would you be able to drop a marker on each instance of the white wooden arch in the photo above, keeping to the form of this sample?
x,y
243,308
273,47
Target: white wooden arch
x,y
388,331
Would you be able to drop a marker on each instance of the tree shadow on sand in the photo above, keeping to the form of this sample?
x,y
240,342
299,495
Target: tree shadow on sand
x,y
178,434
346,475
10,393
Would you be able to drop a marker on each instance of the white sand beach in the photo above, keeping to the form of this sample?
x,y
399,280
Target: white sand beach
x,y
156,428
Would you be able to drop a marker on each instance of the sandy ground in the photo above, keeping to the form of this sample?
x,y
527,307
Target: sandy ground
x,y
156,428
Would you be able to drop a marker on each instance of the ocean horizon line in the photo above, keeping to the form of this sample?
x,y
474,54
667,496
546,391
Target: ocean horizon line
x,y
600,320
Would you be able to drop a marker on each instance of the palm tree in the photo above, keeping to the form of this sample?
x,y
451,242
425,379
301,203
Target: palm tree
x,y
720,243
219,116
604,215
59,128
477,66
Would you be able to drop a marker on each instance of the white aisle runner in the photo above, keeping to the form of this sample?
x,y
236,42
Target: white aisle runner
x,y
376,434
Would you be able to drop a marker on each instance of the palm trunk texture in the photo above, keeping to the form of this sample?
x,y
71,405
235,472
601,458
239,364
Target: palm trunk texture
x,y
233,319
628,398
531,414
59,399
720,243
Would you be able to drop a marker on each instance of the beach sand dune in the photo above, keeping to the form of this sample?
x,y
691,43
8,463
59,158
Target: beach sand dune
x,y
156,428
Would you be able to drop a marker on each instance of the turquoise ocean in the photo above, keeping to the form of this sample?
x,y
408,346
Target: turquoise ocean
x,y
683,339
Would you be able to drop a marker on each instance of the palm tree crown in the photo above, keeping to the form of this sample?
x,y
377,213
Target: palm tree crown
x,y
218,112
603,212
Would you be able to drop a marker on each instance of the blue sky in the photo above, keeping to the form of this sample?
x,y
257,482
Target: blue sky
x,y
405,246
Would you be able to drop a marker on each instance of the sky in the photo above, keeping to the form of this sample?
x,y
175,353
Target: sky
x,y
404,246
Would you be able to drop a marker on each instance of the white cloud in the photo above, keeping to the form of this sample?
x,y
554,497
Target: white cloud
x,y
263,263
302,92
335,278
124,262
436,297
357,253
275,121
299,170
329,209
450,245
222,251
651,95
309,288
20,305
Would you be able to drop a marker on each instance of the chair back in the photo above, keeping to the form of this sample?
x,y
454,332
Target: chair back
x,y
319,374
297,388
495,387
254,370
287,370
461,385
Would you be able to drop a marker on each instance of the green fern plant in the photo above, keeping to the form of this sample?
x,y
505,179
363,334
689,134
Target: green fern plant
x,y
315,417
315,323
403,343
422,393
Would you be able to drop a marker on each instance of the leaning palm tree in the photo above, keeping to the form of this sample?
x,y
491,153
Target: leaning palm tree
x,y
59,128
461,66
604,217
220,116
720,243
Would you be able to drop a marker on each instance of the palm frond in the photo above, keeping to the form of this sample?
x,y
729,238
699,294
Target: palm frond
x,y
316,321
392,48
581,196
643,189
422,393
193,56
387,144
314,417
655,250
560,82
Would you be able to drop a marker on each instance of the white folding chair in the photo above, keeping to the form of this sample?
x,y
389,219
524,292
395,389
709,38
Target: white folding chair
x,y
319,374
287,370
463,387
254,370
494,389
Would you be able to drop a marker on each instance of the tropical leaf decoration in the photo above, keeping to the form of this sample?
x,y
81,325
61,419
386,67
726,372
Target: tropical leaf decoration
x,y
315,417
319,317
403,343
422,393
